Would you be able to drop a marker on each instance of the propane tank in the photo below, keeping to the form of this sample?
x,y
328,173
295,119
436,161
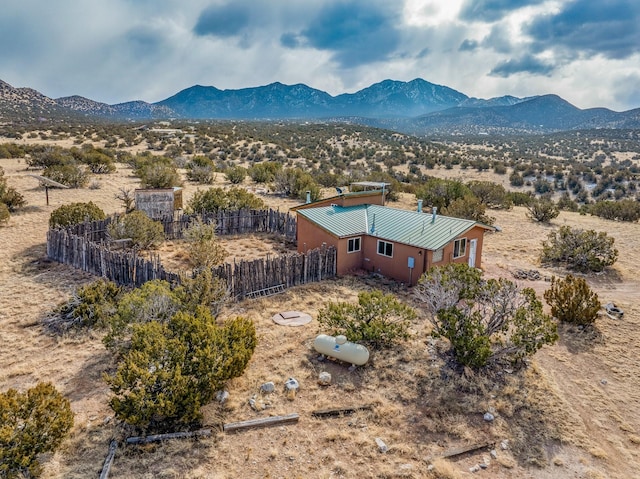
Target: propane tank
x,y
338,347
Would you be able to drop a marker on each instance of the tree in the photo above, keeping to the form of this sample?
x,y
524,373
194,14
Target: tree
x,y
74,213
154,301
542,210
490,194
137,226
217,199
440,193
31,423
203,247
69,174
579,250
484,321
377,319
5,215
468,207
127,198
572,301
159,175
623,210
172,369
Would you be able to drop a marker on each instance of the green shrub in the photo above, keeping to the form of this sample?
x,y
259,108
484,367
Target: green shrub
x,y
484,321
172,369
201,170
542,210
235,174
203,247
572,301
579,250
264,172
218,199
92,305
519,198
157,174
623,210
5,215
468,207
74,213
203,290
440,193
490,194
144,232
377,319
31,423
68,174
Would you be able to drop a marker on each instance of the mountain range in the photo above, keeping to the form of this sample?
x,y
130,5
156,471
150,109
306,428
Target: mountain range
x,y
417,107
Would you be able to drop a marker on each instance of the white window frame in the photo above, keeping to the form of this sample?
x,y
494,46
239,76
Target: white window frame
x,y
387,244
353,241
456,246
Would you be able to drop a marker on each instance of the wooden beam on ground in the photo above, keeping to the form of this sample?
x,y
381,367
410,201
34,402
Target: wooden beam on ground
x,y
341,411
253,423
458,451
106,467
171,435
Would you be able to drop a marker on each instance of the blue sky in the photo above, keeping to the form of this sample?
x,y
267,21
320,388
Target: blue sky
x,y
587,51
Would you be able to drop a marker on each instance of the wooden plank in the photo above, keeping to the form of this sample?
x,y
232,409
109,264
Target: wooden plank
x,y
458,451
265,422
106,467
341,411
171,435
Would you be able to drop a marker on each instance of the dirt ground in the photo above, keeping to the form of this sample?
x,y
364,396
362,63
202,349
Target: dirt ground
x,y
583,392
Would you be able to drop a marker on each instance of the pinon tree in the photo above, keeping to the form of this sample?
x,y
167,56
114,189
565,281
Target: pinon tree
x,y
174,368
31,423
485,321
572,301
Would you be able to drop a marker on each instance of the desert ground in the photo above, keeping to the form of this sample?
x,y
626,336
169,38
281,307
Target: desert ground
x,y
572,414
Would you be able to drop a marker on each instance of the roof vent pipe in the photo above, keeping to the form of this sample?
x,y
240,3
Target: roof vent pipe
x,y
419,206
308,197
434,211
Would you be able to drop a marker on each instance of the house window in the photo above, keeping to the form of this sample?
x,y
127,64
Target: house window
x,y
459,247
353,245
437,255
385,248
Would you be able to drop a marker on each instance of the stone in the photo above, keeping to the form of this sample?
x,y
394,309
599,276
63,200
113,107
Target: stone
x,y
268,388
324,378
291,383
488,417
494,454
382,447
222,396
483,465
504,445
475,468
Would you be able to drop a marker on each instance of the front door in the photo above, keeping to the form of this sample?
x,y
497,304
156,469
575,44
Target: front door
x,y
473,245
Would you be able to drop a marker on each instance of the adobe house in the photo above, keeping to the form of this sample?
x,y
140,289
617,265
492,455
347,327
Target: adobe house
x,y
396,243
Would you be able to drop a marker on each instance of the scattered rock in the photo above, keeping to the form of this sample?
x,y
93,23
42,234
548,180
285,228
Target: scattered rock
x,y
291,387
603,382
529,274
256,404
488,417
382,447
475,468
268,388
222,396
494,454
324,378
504,445
107,420
483,465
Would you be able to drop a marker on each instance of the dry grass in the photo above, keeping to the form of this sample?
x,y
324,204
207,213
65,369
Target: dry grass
x,y
572,414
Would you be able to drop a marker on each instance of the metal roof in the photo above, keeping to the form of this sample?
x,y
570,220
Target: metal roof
x,y
390,224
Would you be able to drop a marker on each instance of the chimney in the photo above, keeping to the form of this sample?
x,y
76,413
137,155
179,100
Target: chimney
x,y
308,197
434,211
419,206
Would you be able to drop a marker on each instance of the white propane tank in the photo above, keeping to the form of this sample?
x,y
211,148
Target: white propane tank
x,y
338,347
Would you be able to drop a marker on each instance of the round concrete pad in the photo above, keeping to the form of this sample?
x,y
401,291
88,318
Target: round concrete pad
x,y
292,318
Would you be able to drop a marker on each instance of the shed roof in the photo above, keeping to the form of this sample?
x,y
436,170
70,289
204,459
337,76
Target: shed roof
x,y
391,224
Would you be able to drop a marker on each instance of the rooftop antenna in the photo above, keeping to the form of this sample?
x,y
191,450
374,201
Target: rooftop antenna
x,y
48,183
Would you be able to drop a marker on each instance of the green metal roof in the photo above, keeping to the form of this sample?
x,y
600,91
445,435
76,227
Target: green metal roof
x,y
390,224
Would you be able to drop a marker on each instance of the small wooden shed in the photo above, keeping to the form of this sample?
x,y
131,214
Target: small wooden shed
x,y
159,203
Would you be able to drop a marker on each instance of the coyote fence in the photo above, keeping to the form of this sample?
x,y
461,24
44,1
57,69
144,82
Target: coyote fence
x,y
228,222
86,247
